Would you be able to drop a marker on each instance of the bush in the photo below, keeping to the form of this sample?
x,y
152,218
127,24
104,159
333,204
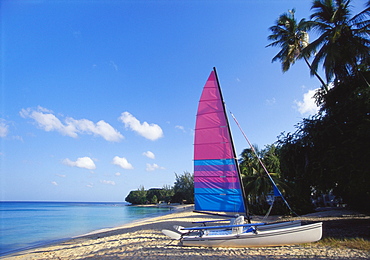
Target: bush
x,y
137,196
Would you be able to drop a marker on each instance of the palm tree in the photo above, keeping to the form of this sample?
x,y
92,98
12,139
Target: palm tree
x,y
256,182
343,43
292,37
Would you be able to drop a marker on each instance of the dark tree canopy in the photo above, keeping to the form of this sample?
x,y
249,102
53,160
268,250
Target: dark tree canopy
x,y
329,151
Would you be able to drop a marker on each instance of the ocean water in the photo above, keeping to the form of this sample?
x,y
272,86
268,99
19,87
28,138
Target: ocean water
x,y
30,224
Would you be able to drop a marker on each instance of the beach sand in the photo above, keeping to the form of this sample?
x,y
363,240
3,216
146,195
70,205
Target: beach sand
x,y
144,240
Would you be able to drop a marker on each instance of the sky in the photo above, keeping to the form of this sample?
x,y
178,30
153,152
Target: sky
x,y
99,97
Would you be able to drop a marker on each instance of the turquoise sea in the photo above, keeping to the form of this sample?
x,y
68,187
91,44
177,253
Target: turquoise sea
x,y
29,224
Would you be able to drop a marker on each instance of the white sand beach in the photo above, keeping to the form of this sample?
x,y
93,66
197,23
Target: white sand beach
x,y
144,240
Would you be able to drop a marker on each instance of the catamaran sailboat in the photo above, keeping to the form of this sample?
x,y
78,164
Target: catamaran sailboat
x,y
218,187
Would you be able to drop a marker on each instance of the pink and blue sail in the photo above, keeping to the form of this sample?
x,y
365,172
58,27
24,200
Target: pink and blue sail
x,y
217,183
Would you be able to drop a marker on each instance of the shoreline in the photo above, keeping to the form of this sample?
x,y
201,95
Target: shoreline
x,y
143,239
97,233
44,243
40,244
173,209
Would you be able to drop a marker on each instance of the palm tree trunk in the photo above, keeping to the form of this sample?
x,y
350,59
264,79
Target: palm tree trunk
x,y
317,75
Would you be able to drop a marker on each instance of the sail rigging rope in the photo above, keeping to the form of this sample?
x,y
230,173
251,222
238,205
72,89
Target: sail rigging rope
x,y
263,166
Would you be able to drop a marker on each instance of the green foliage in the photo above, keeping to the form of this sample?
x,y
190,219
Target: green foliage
x,y
137,196
153,192
329,151
167,193
154,200
292,38
184,188
154,195
343,43
257,183
183,191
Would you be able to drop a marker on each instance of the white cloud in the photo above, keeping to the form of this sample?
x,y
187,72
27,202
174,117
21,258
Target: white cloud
x,y
307,106
4,128
49,122
149,131
83,162
90,185
101,128
271,101
114,65
122,162
54,183
108,182
149,154
61,175
153,167
180,127
117,174
17,137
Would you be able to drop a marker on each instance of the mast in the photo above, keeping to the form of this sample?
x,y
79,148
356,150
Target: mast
x,y
233,148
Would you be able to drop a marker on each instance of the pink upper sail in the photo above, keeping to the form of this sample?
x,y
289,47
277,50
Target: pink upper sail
x,y
212,139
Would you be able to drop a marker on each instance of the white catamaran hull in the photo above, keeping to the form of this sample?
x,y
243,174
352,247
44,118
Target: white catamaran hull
x,y
278,225
268,237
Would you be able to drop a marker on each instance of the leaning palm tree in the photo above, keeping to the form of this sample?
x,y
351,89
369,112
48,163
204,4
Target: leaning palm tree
x,y
292,37
343,43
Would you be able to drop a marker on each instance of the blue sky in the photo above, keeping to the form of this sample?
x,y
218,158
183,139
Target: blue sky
x,y
100,97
